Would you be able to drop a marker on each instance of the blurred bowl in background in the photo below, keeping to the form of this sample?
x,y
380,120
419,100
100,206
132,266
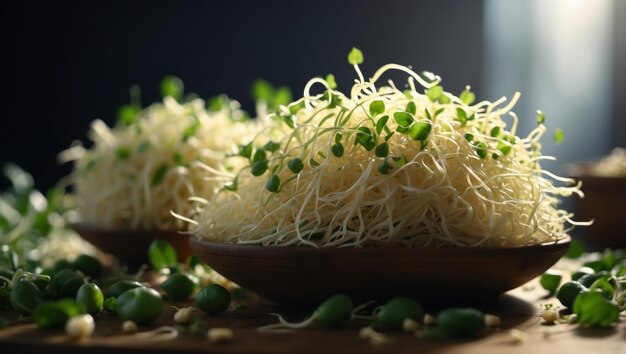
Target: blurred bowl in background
x,y
130,247
605,203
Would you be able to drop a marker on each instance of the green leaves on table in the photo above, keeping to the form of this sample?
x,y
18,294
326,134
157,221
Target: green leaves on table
x,y
162,255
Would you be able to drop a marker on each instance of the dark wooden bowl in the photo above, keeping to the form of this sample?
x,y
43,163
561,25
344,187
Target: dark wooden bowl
x,y
130,247
304,275
604,202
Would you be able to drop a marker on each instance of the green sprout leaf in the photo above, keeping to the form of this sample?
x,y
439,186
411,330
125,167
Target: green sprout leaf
x,y
495,132
295,165
469,137
337,149
443,99
273,97
259,155
382,150
377,107
411,108
355,57
245,150
122,153
505,147
262,91
271,146
384,168
162,255
434,93
259,167
365,136
273,184
461,116
467,96
420,131
481,150
404,119
541,117
128,114
172,86
558,136
191,129
178,159
330,79
159,175
594,310
381,124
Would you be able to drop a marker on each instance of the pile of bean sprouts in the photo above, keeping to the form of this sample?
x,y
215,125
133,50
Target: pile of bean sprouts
x,y
135,175
461,178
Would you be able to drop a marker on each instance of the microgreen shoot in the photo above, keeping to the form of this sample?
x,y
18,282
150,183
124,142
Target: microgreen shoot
x,y
355,57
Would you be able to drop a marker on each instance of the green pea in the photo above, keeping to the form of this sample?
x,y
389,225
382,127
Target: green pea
x,y
62,264
213,299
25,297
90,296
120,287
568,293
140,305
334,311
89,265
461,322
178,286
55,314
66,283
588,279
582,271
393,314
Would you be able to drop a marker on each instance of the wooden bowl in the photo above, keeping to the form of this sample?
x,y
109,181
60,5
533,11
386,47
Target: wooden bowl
x,y
304,275
130,247
604,202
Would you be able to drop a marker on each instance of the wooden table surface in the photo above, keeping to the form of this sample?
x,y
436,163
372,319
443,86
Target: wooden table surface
x,y
519,309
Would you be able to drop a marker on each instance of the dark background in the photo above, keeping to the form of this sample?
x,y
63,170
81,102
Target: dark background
x,y
65,63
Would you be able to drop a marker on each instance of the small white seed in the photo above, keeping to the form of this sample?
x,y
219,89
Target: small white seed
x,y
184,315
81,326
366,332
518,336
492,321
377,338
129,327
550,316
220,335
409,325
430,320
